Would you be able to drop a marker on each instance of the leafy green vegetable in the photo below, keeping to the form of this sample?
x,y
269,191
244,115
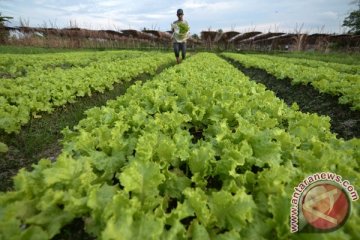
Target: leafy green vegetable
x,y
3,148
40,90
196,153
183,28
335,79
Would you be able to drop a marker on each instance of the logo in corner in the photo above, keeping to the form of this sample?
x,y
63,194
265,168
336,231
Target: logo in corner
x,y
321,203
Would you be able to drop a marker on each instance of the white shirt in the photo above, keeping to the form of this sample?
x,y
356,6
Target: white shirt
x,y
176,34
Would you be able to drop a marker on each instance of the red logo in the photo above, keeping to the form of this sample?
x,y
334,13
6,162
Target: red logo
x,y
325,207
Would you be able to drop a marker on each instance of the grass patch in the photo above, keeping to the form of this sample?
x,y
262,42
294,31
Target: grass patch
x,y
344,58
9,49
333,57
35,50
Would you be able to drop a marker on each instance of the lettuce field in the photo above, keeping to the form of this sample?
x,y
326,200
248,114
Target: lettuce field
x,y
198,151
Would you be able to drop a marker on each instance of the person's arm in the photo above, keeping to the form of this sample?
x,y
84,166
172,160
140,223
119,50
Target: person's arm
x,y
172,31
172,28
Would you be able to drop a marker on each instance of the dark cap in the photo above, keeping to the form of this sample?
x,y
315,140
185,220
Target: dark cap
x,y
180,12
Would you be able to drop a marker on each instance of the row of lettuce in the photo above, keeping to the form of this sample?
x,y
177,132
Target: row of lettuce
x,y
199,152
42,89
340,67
20,65
336,79
343,58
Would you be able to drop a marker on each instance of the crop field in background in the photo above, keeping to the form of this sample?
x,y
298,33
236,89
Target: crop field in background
x,y
127,144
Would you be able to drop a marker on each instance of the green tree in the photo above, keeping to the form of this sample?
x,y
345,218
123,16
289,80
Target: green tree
x,y
4,34
353,20
195,36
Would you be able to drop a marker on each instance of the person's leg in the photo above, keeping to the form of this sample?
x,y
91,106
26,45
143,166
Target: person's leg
x,y
183,50
176,51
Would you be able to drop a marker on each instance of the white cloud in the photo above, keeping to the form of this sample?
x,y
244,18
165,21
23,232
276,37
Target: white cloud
x,y
154,16
108,3
330,14
73,8
194,4
40,2
227,14
204,6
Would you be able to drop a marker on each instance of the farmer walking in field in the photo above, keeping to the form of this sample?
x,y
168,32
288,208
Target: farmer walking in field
x,y
180,29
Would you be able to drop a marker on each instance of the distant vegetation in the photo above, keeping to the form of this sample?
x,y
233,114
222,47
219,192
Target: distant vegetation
x,y
353,20
3,33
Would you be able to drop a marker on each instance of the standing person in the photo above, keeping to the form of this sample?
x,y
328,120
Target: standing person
x,y
180,29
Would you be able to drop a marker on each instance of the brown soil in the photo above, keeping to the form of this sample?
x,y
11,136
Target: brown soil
x,y
344,121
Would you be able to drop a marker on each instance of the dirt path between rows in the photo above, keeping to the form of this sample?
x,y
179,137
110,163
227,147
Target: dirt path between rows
x,y
40,138
344,122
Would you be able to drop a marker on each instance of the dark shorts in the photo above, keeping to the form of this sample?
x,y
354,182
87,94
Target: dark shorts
x,y
180,47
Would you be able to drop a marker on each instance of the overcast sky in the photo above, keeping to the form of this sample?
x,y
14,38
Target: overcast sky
x,y
243,15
